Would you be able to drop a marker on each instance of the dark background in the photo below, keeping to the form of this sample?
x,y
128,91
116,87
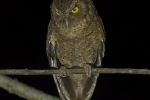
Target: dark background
x,y
23,29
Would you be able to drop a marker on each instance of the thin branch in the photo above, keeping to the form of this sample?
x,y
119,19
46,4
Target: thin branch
x,y
15,87
74,71
22,90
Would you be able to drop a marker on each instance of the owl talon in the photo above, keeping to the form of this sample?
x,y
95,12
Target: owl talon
x,y
88,70
63,72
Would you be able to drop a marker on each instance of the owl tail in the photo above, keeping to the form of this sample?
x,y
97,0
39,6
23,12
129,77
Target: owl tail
x,y
76,86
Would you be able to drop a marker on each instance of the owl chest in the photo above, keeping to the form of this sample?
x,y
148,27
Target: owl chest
x,y
77,51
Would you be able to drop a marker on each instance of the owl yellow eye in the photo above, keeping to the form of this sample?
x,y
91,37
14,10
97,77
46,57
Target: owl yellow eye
x,y
75,10
57,13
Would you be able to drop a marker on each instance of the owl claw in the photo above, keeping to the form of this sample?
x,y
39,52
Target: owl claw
x,y
63,72
88,70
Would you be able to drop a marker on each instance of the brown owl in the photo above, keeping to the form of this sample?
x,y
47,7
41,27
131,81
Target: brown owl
x,y
75,39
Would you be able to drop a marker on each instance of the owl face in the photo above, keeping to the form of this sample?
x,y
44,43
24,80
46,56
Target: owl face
x,y
69,15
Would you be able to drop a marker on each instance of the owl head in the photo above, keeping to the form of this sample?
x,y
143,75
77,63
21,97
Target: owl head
x,y
71,15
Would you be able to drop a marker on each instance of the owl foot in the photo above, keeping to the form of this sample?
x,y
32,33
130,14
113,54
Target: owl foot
x,y
63,72
88,70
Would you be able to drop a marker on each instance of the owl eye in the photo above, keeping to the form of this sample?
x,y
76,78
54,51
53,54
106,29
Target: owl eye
x,y
57,13
75,10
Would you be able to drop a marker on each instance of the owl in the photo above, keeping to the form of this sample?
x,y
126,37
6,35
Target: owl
x,y
75,39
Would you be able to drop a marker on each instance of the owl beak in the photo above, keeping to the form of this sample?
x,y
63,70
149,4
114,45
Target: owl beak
x,y
65,19
66,22
65,14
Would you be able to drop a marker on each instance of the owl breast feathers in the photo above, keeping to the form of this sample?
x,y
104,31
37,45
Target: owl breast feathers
x,y
75,39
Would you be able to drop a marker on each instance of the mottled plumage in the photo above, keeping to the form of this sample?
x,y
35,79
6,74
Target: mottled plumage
x,y
75,39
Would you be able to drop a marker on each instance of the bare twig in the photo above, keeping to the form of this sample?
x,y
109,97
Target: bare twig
x,y
74,71
22,90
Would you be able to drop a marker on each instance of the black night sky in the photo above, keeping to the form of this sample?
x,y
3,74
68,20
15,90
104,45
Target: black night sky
x,y
23,29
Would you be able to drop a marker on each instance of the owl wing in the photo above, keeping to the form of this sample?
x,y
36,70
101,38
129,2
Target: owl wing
x,y
51,51
100,54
